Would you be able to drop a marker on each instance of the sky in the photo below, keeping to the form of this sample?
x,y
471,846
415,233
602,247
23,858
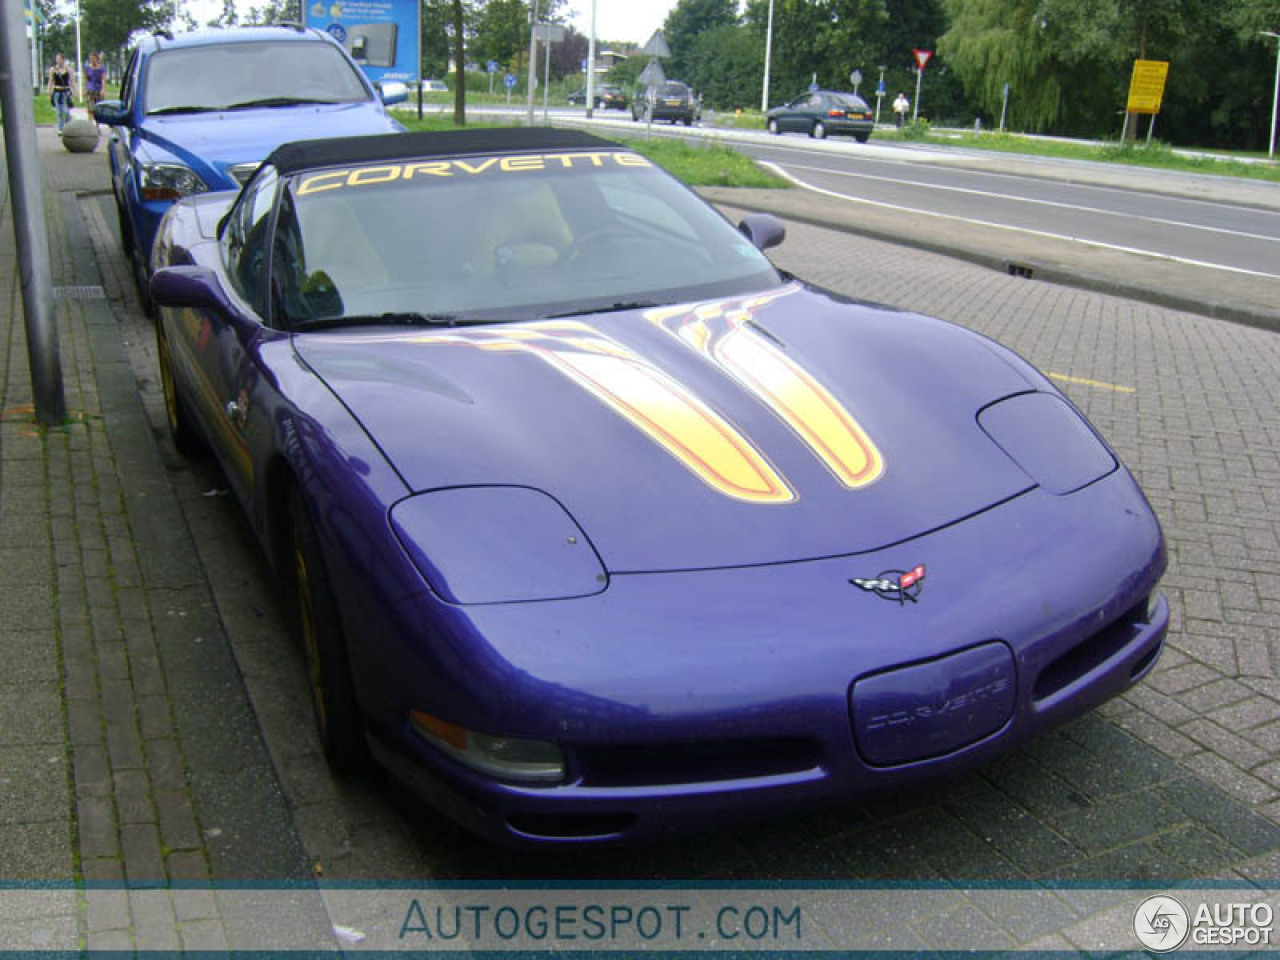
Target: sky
x,y
617,21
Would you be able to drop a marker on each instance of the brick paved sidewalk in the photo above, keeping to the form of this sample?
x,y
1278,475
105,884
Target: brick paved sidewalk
x,y
128,751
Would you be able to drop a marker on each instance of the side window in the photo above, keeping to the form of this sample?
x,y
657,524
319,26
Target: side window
x,y
130,73
245,238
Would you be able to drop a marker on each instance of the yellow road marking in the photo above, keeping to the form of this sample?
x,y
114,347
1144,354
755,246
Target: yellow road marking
x,y
1092,383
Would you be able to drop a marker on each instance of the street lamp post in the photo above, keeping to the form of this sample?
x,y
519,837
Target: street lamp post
x,y
1275,97
768,54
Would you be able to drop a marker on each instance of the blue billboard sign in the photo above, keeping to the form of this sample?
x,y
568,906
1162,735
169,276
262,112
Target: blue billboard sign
x,y
382,36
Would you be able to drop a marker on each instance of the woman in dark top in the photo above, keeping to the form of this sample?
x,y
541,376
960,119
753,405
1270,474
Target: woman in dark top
x,y
60,90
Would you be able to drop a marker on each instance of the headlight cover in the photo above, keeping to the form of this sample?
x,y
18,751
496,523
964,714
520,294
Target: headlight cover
x,y
1049,440
170,181
497,545
507,758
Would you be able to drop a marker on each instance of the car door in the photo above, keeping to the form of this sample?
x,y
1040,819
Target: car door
x,y
120,144
221,352
793,117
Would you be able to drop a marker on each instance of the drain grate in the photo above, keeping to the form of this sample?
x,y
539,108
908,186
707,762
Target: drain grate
x,y
91,292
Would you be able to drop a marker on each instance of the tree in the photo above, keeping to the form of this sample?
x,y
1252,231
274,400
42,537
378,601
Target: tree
x,y
108,24
437,16
689,20
818,39
273,11
228,18
502,32
568,55
727,67
460,64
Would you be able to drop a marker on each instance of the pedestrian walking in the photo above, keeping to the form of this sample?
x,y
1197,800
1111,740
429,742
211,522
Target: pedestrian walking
x,y
94,75
901,107
60,90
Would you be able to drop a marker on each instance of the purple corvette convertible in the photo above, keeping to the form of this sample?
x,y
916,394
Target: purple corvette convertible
x,y
598,526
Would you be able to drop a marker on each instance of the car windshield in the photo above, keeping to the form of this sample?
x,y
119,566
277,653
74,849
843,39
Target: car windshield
x,y
238,75
491,239
674,88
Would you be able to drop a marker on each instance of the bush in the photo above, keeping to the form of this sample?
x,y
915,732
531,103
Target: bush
x,y
917,129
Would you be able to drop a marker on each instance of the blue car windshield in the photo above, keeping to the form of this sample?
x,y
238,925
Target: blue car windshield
x,y
483,239
238,75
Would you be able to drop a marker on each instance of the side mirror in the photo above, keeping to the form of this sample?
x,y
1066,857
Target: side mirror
x,y
196,287
764,230
392,91
111,112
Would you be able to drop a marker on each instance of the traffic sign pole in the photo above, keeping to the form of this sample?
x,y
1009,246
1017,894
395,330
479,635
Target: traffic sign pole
x,y
922,60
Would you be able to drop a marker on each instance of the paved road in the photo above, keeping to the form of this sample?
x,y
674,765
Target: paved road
x,y
1229,238
1180,778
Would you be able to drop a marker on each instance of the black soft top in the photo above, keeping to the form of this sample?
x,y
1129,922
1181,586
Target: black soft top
x,y
313,154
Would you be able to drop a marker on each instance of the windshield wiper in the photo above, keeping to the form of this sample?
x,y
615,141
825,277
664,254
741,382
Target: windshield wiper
x,y
609,308
276,102
191,108
379,320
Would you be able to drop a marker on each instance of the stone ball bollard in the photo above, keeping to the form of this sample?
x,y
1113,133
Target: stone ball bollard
x,y
80,136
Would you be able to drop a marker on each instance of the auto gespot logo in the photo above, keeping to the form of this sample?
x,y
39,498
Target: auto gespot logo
x,y
366,176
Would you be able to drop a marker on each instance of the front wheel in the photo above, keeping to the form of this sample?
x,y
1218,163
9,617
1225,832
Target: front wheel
x,y
773,126
819,131
185,439
319,628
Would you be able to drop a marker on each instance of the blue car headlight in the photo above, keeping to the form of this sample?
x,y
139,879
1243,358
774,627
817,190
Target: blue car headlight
x,y
497,545
1049,440
170,181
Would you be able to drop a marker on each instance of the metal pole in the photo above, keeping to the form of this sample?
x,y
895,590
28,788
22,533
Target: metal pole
x,y
1275,97
533,60
35,57
915,104
591,64
1150,127
79,59
29,229
768,56
546,79
1004,106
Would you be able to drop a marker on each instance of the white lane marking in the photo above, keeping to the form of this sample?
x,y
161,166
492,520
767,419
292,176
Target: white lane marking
x,y
1045,203
886,154
1154,254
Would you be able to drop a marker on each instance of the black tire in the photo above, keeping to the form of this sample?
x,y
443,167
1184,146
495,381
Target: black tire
x,y
688,121
819,131
862,137
319,629
185,439
141,281
773,126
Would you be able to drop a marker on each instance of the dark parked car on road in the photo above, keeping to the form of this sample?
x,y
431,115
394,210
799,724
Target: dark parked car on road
x,y
607,95
823,113
673,102
199,111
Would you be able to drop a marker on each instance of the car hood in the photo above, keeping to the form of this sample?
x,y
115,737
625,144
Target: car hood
x,y
211,143
782,427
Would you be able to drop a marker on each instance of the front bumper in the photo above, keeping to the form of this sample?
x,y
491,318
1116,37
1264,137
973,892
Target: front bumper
x,y
688,700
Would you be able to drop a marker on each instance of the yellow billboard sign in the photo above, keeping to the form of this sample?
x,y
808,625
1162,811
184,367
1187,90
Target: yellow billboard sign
x,y
1146,87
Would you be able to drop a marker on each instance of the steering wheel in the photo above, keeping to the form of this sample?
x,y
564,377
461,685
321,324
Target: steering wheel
x,y
580,244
